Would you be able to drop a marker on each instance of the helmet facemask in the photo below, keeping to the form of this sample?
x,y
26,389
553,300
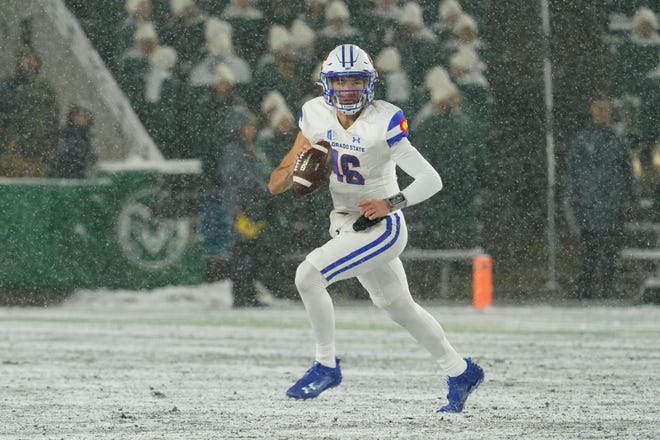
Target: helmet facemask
x,y
348,92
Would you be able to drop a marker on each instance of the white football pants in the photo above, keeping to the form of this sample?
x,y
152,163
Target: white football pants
x,y
373,257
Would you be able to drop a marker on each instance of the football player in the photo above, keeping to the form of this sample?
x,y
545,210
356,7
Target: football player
x,y
369,139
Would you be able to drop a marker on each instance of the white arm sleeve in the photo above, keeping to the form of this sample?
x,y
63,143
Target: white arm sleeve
x,y
426,179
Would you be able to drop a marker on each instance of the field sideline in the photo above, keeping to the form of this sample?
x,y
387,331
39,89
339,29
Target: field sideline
x,y
179,363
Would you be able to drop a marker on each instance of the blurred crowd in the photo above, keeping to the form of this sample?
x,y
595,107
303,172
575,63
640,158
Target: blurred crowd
x,y
221,80
635,48
32,143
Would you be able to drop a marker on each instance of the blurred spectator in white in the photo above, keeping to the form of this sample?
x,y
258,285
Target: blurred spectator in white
x,y
443,91
466,67
618,23
417,44
214,26
139,12
449,12
284,129
337,29
76,153
220,50
248,24
314,14
396,83
269,105
638,54
379,22
164,102
185,32
303,41
306,54
217,113
241,9
466,34
481,11
134,63
163,63
438,83
277,71
466,70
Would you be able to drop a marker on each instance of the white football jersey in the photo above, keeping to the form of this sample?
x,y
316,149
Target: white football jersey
x,y
366,154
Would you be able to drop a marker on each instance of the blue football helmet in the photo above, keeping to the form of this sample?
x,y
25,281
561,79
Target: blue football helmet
x,y
348,61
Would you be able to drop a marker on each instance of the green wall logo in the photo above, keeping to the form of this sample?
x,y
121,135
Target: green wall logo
x,y
146,240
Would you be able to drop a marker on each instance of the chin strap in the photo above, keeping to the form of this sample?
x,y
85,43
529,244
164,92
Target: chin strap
x,y
357,106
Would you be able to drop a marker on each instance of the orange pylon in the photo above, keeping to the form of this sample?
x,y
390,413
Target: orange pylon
x,y
482,281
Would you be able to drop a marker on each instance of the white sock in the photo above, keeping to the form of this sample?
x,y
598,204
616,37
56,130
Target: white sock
x,y
325,355
454,367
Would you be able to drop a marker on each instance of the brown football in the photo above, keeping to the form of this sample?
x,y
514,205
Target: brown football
x,y
312,168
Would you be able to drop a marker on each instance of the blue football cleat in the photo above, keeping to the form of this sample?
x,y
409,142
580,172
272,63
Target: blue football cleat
x,y
460,387
316,380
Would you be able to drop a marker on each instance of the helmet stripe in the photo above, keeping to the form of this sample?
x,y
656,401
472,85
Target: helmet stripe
x,y
352,57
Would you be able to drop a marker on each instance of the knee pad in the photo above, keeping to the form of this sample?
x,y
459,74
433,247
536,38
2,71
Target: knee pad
x,y
308,277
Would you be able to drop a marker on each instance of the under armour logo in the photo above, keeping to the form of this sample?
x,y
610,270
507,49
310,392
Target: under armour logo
x,y
356,139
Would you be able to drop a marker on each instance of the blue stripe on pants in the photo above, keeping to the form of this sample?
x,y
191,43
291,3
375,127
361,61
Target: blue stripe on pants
x,y
328,272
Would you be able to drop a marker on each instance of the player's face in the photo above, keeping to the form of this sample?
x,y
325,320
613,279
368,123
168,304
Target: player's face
x,y
348,88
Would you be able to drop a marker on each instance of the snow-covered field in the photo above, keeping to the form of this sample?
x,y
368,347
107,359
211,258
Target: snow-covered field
x,y
179,363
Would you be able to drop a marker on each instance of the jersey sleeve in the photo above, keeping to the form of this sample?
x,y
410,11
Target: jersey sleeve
x,y
303,123
309,112
426,180
397,128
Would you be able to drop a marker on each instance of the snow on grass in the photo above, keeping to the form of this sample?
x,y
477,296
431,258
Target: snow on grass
x,y
180,363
